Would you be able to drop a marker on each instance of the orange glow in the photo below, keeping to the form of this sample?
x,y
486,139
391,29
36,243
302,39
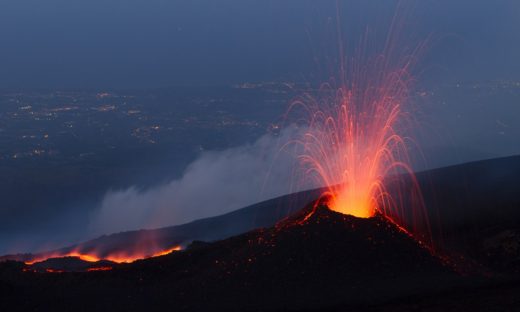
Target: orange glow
x,y
84,257
117,257
99,269
355,141
124,257
167,252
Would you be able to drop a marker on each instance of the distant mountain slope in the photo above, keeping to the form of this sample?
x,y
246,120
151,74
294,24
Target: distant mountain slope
x,y
264,214
482,193
475,210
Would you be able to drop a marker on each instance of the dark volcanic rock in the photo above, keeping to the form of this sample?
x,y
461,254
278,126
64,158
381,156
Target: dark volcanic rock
x,y
501,251
328,260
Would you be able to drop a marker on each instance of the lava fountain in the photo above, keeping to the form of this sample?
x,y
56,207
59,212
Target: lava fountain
x,y
354,146
356,139
352,143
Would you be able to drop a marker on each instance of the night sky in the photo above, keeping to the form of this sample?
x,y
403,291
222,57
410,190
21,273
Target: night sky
x,y
155,43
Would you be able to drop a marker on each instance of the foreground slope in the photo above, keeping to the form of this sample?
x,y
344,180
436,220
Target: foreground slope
x,y
326,261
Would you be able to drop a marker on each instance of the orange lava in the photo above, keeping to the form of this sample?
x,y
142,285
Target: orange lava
x,y
84,257
99,269
118,257
123,257
353,143
355,138
166,252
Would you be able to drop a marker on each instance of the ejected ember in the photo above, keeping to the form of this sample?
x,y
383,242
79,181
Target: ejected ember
x,y
358,130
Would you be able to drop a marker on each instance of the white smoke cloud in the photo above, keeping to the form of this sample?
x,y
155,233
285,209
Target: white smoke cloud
x,y
215,183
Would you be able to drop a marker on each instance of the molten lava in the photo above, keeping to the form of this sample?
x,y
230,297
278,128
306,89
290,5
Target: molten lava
x,y
352,147
117,257
107,268
355,141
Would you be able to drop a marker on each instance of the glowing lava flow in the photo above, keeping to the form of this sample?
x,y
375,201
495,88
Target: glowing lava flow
x,y
121,257
128,258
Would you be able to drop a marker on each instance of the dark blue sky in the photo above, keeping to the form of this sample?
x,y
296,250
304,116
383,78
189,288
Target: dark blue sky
x,y
153,43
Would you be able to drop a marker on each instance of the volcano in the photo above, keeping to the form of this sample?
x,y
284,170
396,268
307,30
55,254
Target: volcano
x,y
469,206
323,261
305,261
